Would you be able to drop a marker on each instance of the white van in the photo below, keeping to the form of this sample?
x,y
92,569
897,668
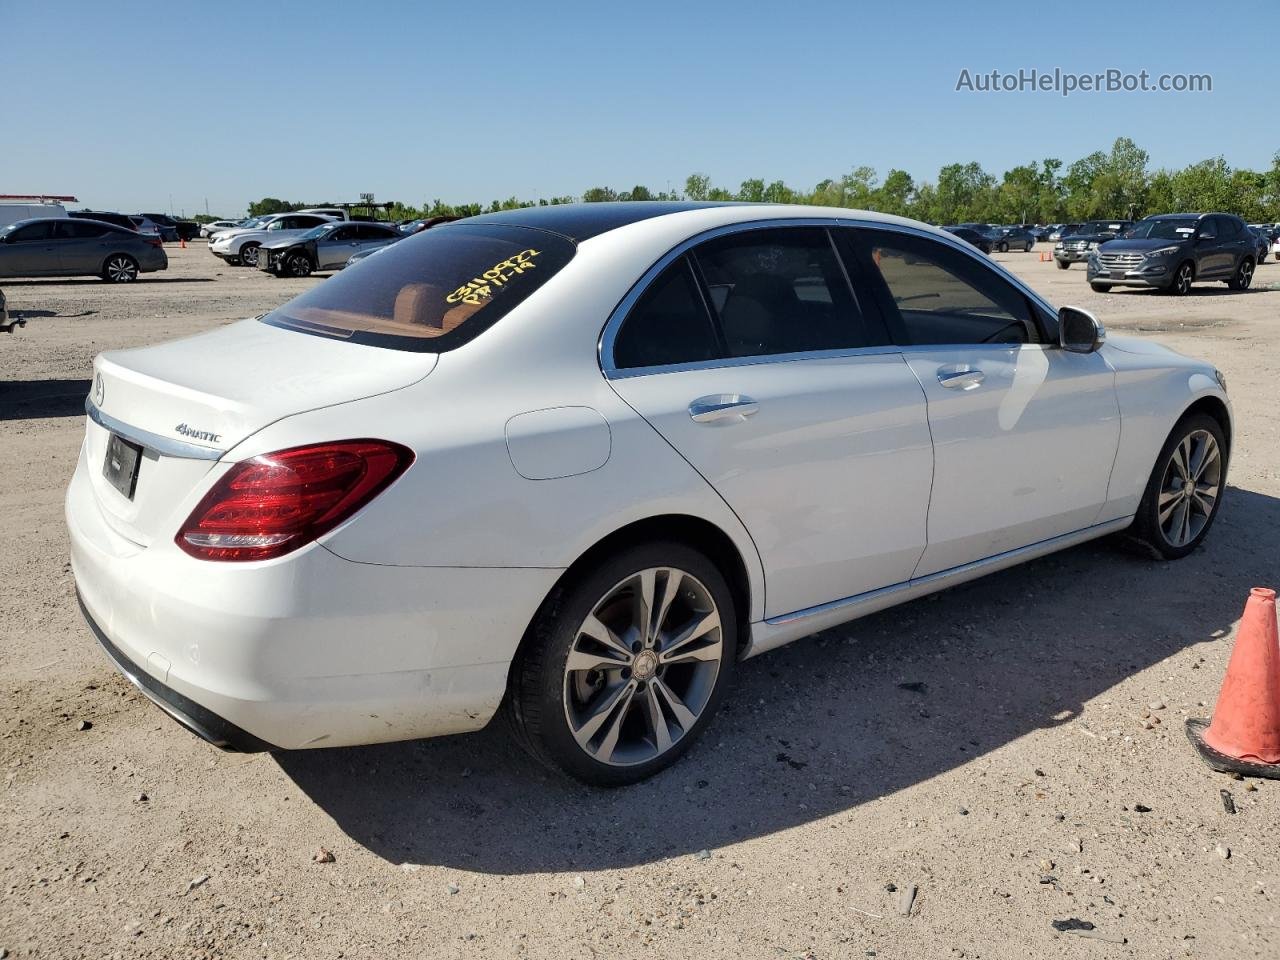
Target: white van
x,y
13,212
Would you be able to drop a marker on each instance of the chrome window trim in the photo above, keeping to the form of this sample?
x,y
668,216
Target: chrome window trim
x,y
164,446
609,334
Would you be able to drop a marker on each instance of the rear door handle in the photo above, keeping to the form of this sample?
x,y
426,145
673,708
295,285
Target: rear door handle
x,y
722,406
959,377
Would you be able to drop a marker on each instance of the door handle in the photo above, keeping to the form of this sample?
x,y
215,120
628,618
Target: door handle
x,y
960,377
722,406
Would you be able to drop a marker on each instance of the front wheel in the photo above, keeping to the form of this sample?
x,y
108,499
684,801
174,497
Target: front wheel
x,y
1004,247
625,665
1243,276
1100,287
1182,279
297,266
1063,264
249,254
1185,489
120,268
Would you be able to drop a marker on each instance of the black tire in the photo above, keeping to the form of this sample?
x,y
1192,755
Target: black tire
x,y
1003,247
249,254
1027,248
1183,277
297,265
1243,277
120,268
1063,264
1100,287
1146,522
535,706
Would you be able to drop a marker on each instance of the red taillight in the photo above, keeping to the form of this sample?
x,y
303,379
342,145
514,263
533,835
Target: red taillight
x,y
276,503
154,240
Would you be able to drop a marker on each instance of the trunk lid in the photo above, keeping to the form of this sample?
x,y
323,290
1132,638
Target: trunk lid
x,y
189,401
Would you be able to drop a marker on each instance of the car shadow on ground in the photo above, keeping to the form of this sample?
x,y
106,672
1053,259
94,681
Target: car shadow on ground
x,y
37,399
95,281
820,727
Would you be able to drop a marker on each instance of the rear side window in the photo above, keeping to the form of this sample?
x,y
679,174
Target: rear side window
x,y
433,291
780,290
669,324
939,295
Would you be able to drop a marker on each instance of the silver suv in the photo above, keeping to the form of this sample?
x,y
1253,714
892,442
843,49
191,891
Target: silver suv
x,y
241,245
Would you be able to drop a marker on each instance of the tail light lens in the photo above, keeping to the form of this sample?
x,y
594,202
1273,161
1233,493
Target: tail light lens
x,y
274,504
153,239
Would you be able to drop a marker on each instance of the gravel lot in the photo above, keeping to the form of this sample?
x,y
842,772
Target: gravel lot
x,y
1013,748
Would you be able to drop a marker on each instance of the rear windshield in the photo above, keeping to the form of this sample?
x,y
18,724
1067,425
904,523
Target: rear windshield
x,y
430,292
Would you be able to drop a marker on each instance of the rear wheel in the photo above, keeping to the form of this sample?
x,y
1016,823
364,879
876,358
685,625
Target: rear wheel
x,y
249,254
120,268
1185,488
626,665
1243,276
1003,247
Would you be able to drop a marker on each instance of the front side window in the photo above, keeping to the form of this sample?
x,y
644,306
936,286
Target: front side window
x,y
934,294
432,292
779,290
669,324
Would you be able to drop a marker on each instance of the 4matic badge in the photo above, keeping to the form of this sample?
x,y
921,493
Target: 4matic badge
x,y
186,431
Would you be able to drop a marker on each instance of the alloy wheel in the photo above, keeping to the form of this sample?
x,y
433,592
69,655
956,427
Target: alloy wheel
x,y
299,266
1244,276
249,256
121,270
1190,487
1182,282
643,666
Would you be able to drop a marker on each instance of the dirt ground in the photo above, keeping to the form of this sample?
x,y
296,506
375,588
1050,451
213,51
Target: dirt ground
x,y
1013,748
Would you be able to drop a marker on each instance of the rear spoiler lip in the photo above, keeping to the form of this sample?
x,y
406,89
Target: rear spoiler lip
x,y
165,446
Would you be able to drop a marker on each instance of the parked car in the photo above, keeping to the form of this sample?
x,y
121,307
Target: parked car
x,y
214,226
174,230
1076,246
333,213
73,247
1062,230
12,212
326,247
1275,248
1013,238
490,468
979,240
1264,242
240,246
1172,251
246,224
123,221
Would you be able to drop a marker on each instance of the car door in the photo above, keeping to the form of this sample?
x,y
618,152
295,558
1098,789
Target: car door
x,y
80,246
1024,433
752,358
29,251
333,249
1213,252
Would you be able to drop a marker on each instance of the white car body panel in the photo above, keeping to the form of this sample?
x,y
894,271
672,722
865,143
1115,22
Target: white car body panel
x,y
403,621
1023,457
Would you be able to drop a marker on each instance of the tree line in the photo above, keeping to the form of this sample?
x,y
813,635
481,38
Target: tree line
x,y
1107,183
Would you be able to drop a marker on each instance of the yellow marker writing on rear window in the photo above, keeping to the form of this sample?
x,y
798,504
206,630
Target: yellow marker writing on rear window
x,y
480,288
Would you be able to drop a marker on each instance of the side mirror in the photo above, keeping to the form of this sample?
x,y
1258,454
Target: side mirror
x,y
1079,331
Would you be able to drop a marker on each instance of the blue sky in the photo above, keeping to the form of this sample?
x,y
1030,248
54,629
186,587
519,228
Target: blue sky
x,y
128,104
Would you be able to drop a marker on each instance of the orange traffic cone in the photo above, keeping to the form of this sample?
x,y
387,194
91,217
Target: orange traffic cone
x,y
1244,736
182,242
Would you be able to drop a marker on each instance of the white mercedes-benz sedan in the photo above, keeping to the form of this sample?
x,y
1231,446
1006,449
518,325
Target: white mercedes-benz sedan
x,y
572,463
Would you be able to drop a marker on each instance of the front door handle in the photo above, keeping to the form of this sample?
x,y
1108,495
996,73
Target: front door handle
x,y
960,377
722,406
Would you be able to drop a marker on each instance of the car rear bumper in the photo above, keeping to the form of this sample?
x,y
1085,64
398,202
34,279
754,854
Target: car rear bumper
x,y
308,650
